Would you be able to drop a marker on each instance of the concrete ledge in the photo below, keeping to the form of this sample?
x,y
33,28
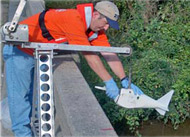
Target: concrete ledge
x,y
82,113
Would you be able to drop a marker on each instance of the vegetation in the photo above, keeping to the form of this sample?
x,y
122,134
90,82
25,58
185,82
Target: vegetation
x,y
159,33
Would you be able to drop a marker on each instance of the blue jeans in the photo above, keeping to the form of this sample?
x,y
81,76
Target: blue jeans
x,y
19,68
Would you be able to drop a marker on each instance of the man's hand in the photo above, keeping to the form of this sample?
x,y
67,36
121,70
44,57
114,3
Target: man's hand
x,y
125,84
112,90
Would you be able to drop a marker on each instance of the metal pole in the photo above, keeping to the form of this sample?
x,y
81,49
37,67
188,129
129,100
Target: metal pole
x,y
52,46
17,15
45,93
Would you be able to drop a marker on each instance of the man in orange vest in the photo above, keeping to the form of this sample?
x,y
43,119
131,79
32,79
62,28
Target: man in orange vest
x,y
85,25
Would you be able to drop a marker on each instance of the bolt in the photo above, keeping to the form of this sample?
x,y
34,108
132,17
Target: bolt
x,y
11,37
12,28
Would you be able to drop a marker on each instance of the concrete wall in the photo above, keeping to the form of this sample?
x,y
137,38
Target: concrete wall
x,y
4,18
82,113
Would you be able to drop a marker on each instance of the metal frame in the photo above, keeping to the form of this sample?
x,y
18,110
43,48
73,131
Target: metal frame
x,y
44,56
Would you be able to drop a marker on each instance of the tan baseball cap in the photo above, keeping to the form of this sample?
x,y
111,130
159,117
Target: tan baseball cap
x,y
110,11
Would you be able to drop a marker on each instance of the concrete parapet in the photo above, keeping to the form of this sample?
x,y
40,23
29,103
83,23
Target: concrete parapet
x,y
82,113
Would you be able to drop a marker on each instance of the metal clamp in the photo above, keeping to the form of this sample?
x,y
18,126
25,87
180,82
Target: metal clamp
x,y
21,35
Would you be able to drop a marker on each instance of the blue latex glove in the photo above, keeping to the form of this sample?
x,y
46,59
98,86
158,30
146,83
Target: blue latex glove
x,y
112,90
137,90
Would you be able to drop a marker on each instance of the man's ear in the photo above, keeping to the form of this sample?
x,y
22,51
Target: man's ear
x,y
96,14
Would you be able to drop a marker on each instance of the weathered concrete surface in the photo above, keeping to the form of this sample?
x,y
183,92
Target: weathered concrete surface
x,y
82,112
3,19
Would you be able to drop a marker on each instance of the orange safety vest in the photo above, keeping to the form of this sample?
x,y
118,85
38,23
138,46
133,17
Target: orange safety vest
x,y
66,25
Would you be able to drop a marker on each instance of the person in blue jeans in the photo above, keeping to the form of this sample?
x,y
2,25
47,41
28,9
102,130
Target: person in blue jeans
x,y
20,65
19,69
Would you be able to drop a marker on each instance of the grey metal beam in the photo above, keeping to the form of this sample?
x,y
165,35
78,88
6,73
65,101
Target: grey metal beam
x,y
70,47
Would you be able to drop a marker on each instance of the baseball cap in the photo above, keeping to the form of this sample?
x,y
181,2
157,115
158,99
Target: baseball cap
x,y
110,11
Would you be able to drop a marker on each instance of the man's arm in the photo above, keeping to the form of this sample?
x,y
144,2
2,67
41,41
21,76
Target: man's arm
x,y
112,58
96,65
115,64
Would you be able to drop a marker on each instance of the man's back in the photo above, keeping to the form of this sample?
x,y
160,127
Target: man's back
x,y
60,23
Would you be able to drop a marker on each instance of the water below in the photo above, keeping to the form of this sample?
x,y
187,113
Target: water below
x,y
156,128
